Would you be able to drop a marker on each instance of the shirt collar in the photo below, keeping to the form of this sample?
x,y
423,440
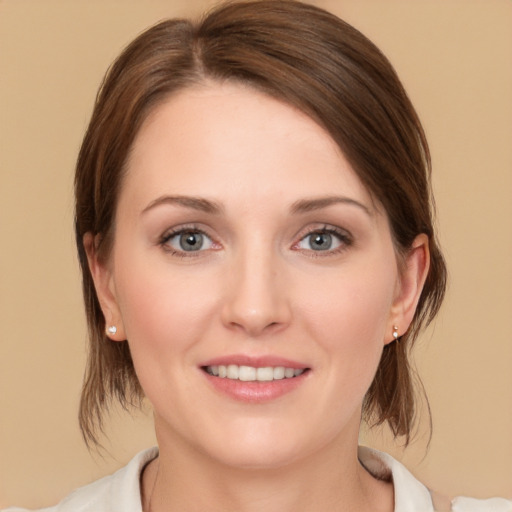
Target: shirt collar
x,y
410,494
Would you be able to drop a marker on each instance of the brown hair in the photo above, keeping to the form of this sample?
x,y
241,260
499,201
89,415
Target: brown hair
x,y
301,55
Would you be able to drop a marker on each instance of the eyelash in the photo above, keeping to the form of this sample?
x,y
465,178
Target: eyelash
x,y
169,235
343,237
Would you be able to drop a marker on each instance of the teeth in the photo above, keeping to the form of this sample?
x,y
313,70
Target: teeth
x,y
250,373
289,373
265,374
232,371
247,373
279,372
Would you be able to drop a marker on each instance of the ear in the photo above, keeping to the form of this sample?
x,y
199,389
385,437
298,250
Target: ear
x,y
105,290
413,273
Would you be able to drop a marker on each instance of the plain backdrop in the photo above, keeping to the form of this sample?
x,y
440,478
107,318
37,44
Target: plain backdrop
x,y
455,59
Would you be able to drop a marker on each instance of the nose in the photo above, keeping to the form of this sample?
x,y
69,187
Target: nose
x,y
256,296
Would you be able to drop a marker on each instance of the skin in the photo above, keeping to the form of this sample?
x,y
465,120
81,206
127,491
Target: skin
x,y
258,286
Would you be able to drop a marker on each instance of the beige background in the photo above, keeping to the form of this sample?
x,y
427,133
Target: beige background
x,y
455,58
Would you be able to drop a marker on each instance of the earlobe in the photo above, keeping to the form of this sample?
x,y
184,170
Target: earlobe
x,y
410,285
105,290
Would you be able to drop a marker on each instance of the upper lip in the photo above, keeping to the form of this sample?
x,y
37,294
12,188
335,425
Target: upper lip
x,y
254,361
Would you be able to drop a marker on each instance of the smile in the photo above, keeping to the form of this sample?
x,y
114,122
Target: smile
x,y
252,374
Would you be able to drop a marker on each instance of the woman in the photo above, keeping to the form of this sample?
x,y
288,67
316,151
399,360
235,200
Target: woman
x,y
258,256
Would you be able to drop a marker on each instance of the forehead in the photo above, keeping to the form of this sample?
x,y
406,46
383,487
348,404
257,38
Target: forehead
x,y
213,138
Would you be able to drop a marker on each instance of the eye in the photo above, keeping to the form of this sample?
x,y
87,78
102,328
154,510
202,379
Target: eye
x,y
323,240
187,240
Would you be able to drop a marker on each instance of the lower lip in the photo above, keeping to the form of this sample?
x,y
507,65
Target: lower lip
x,y
255,391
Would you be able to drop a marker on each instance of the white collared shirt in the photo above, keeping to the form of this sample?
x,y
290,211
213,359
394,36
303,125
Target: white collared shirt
x,y
120,492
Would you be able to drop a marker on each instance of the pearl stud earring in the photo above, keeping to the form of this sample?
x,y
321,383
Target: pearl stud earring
x,y
112,329
395,332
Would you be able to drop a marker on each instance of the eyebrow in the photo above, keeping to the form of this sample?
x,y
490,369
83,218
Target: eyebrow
x,y
194,203
207,206
309,205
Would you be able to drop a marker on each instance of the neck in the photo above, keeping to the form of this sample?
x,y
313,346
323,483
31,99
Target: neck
x,y
184,480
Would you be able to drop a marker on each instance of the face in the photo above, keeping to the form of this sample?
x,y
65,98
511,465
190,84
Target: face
x,y
246,245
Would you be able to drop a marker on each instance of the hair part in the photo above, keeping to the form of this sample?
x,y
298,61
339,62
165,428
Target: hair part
x,y
309,59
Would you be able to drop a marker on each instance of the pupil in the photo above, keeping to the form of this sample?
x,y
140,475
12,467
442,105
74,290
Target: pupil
x,y
321,241
191,241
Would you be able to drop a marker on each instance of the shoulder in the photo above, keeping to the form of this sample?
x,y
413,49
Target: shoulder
x,y
119,491
410,494
463,504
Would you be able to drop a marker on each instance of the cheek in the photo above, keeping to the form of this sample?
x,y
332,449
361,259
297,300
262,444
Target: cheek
x,y
353,308
163,310
349,317
165,318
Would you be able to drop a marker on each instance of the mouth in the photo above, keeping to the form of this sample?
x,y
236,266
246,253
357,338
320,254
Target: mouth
x,y
253,373
255,379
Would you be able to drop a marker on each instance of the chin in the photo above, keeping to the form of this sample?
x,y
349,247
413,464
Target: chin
x,y
261,445
258,457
